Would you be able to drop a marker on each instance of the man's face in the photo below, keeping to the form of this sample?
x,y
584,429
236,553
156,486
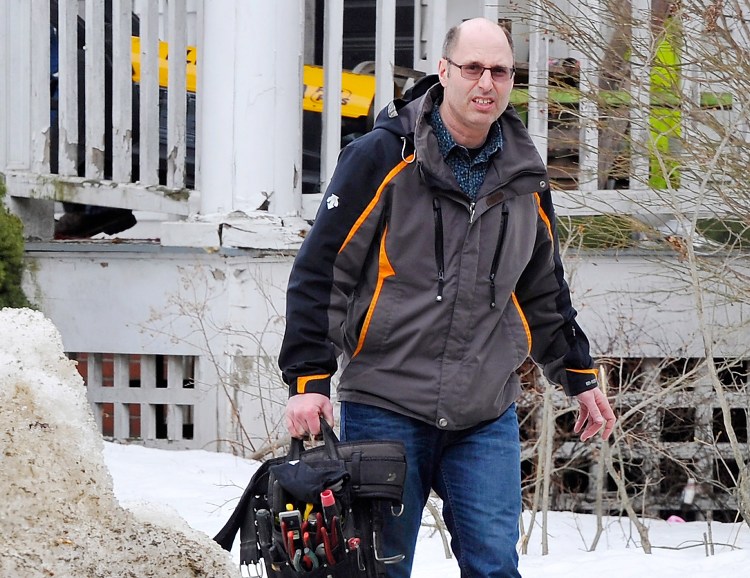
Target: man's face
x,y
471,106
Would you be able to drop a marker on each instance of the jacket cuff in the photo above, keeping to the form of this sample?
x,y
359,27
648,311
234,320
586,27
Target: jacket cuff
x,y
311,384
580,380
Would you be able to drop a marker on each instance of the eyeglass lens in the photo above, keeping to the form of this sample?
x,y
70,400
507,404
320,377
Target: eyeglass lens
x,y
474,71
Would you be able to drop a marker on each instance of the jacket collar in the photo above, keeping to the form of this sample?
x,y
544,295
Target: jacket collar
x,y
519,156
446,142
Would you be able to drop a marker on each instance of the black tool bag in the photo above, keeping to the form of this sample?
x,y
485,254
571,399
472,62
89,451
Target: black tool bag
x,y
318,513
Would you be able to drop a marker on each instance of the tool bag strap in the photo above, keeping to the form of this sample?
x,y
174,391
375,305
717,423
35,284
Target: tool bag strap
x,y
244,512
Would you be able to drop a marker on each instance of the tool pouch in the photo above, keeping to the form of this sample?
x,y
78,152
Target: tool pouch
x,y
283,521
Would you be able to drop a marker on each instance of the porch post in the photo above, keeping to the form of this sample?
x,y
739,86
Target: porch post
x,y
24,105
251,126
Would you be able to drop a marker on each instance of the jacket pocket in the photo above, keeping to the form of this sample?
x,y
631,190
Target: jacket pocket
x,y
524,322
385,270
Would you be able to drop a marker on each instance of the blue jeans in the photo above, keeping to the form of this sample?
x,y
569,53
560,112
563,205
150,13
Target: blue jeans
x,y
477,474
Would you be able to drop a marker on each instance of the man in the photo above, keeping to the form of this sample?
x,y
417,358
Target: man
x,y
433,269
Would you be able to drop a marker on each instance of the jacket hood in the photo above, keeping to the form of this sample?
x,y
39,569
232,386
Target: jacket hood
x,y
395,118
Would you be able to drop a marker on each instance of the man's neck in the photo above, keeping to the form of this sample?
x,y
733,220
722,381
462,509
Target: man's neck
x,y
468,138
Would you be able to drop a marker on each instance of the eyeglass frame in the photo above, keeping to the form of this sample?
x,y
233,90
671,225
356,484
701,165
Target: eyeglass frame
x,y
510,69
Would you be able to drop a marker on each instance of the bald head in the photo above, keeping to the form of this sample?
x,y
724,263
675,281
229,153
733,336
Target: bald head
x,y
474,25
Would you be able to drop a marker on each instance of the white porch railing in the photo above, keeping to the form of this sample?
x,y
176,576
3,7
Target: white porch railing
x,y
166,154
66,150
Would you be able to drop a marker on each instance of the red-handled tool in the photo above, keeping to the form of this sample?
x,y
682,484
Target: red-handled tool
x,y
328,548
285,543
330,507
318,527
290,549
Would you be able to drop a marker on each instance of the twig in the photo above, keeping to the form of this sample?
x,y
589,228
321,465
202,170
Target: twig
x,y
697,544
440,525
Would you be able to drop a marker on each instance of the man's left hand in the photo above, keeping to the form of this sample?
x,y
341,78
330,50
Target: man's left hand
x,y
594,414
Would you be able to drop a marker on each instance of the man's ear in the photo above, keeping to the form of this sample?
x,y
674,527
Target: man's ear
x,y
443,71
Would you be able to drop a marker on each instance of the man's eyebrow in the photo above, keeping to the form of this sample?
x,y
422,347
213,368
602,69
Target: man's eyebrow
x,y
477,63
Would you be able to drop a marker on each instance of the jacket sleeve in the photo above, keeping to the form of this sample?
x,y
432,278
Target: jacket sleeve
x,y
558,344
327,268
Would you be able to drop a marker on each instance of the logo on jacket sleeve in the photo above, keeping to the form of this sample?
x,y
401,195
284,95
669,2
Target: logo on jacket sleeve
x,y
332,202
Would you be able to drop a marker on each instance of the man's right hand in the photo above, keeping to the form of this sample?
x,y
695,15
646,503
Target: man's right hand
x,y
303,413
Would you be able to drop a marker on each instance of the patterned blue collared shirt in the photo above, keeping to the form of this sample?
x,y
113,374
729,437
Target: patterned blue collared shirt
x,y
469,169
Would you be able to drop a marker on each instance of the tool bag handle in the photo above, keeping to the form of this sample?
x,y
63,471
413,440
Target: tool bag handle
x,y
297,447
377,469
259,483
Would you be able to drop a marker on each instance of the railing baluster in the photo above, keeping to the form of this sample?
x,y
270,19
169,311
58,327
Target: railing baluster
x,y
176,103
122,101
40,90
640,86
538,106
67,88
94,89
385,48
149,94
332,53
588,151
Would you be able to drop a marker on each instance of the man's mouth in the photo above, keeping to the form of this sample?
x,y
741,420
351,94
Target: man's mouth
x,y
483,101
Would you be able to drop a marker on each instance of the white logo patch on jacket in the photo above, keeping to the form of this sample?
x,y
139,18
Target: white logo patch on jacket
x,y
332,202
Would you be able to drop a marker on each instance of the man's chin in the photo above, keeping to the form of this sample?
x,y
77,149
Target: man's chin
x,y
485,118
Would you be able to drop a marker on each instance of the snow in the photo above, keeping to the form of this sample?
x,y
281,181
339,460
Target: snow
x,y
79,507
59,515
203,487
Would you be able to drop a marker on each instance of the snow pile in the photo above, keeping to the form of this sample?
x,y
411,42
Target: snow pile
x,y
58,515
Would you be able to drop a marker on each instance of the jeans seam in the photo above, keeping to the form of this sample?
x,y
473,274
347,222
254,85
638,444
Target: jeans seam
x,y
457,536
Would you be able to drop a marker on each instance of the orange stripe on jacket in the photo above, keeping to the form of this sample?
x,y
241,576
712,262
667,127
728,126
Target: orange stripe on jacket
x,y
388,178
304,380
543,215
523,320
385,270
593,372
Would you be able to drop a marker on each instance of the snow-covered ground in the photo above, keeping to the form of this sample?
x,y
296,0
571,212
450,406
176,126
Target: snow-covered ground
x,y
203,488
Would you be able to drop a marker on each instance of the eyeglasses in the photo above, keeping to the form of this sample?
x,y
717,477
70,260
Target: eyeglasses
x,y
474,71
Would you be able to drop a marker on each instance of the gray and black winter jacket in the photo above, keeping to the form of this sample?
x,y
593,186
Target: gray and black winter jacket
x,y
432,301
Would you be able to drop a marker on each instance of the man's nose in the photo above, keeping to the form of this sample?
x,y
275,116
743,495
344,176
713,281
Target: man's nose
x,y
486,79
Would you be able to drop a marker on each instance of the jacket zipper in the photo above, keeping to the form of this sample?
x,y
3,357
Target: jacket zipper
x,y
439,256
496,256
